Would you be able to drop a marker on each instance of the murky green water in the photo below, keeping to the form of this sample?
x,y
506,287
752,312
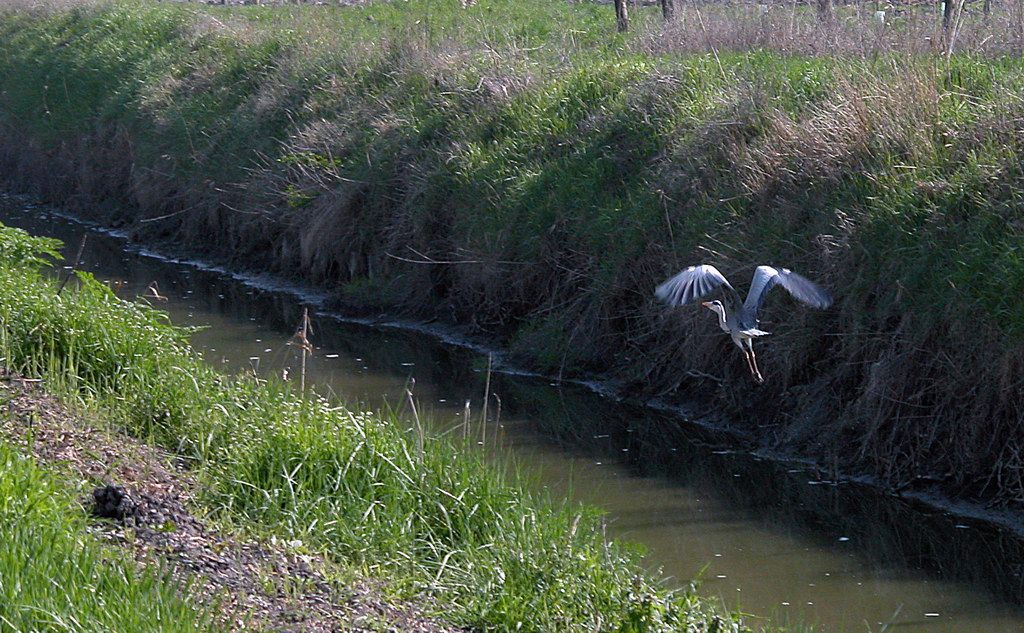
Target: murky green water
x,y
768,538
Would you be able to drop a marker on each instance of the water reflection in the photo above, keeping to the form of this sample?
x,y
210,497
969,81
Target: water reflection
x,y
767,537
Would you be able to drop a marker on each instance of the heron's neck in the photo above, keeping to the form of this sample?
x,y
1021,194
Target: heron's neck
x,y
721,319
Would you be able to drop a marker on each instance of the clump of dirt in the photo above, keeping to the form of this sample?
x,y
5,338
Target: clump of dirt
x,y
112,502
145,505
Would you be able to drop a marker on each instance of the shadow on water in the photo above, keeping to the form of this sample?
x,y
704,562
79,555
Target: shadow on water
x,y
843,555
891,531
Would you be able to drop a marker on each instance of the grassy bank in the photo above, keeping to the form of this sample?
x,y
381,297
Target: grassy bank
x,y
55,575
518,168
423,513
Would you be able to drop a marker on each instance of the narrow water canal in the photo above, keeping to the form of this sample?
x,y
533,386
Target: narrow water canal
x,y
768,538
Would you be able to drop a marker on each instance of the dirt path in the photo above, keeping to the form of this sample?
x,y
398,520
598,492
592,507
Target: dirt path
x,y
147,495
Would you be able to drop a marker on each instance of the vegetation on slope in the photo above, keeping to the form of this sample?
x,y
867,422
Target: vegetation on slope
x,y
55,577
431,517
518,167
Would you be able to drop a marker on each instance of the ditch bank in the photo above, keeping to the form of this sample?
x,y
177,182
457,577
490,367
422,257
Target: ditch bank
x,y
533,189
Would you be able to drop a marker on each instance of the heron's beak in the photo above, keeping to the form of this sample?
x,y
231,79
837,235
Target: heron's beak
x,y
706,304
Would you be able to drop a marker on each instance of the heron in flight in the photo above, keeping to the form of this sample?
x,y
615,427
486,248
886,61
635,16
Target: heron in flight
x,y
740,321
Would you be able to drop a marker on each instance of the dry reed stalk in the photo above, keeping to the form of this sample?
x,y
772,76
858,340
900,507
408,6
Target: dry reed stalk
x,y
301,340
420,435
487,397
499,430
74,264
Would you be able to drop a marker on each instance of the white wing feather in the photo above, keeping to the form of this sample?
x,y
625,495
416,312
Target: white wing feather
x,y
690,284
802,289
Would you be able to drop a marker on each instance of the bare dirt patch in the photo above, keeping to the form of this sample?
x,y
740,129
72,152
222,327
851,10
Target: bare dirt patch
x,y
147,495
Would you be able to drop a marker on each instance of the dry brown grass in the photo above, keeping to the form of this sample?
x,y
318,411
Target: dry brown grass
x,y
865,121
794,29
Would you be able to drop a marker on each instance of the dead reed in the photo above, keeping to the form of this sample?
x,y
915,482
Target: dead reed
x,y
856,30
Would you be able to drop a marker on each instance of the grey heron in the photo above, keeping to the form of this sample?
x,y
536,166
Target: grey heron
x,y
740,320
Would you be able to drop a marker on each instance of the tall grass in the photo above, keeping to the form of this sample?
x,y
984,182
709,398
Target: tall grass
x,y
518,168
856,30
55,577
422,512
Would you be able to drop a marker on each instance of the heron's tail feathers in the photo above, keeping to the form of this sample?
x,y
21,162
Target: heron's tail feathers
x,y
756,332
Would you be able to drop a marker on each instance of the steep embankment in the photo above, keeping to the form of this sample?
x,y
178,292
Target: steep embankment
x,y
517,168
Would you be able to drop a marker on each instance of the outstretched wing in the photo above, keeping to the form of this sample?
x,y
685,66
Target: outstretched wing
x,y
802,288
693,283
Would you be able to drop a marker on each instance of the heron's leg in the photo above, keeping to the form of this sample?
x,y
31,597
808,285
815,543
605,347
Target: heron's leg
x,y
753,366
748,355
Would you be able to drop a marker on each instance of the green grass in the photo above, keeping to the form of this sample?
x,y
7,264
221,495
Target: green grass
x,y
429,516
56,576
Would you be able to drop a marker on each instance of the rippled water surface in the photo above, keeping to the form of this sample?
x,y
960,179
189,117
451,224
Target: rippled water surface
x,y
771,539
